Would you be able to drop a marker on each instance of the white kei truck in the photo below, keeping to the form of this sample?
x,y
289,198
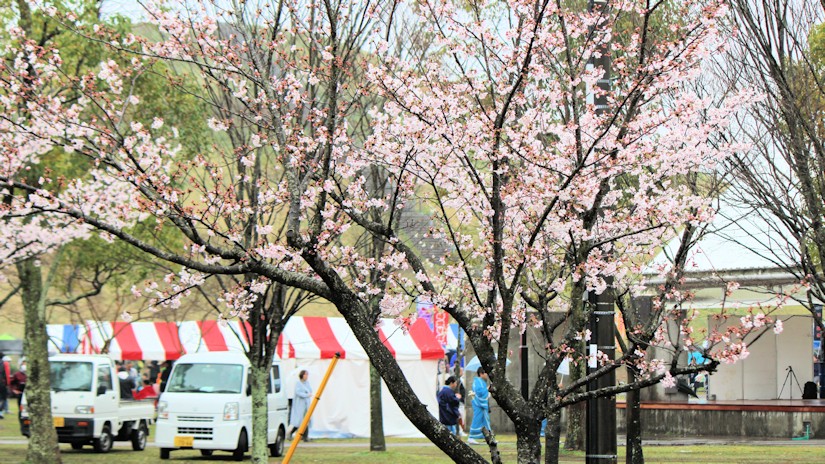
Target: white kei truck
x,y
207,405
87,407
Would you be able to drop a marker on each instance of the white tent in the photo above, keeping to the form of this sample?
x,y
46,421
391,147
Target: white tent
x,y
344,408
306,343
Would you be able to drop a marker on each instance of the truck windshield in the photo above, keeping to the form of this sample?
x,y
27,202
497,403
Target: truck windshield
x,y
206,378
71,376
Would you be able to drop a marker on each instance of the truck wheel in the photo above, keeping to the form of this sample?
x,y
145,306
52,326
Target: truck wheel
x,y
277,449
241,449
104,443
139,437
206,453
76,445
164,453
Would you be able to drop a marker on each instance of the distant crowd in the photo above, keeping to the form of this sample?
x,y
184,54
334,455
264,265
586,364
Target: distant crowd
x,y
141,380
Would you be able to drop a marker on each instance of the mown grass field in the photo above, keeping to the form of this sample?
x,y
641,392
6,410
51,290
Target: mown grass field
x,y
416,451
424,453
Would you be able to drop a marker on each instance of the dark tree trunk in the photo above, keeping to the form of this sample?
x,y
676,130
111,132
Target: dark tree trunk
x,y
43,448
258,380
403,394
552,437
377,442
575,427
633,412
528,444
576,413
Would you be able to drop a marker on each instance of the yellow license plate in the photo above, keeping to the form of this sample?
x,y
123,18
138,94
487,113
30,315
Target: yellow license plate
x,y
184,442
59,421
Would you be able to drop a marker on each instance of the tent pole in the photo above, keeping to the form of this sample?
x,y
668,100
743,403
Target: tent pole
x,y
305,422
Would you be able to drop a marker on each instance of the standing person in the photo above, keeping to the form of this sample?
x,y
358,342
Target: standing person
x,y
154,371
132,371
5,381
448,404
461,395
18,385
300,404
18,381
481,407
164,375
126,384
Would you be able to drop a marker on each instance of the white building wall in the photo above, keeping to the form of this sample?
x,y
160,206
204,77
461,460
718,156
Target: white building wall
x,y
762,374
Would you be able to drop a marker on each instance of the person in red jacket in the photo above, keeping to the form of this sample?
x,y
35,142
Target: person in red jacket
x,y
148,391
18,382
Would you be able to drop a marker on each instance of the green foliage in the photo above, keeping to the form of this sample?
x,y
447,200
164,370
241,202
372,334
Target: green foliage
x,y
86,262
816,40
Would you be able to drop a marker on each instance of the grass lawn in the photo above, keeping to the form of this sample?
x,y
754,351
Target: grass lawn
x,y
418,452
415,451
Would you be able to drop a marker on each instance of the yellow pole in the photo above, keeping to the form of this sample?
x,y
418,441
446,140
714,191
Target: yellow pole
x,y
297,438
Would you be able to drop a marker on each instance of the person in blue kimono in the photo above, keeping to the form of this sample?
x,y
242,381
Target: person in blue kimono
x,y
481,407
300,405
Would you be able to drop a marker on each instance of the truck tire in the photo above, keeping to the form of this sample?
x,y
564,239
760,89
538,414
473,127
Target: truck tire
x,y
206,453
140,436
76,445
277,449
241,449
103,444
164,453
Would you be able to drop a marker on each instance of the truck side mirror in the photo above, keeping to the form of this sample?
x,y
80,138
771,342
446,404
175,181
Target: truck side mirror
x,y
249,390
101,390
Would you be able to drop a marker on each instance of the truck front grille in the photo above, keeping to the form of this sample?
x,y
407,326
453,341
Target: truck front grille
x,y
196,418
200,433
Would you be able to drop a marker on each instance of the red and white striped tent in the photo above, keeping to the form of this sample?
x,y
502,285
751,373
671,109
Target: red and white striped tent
x,y
322,337
306,343
163,340
303,338
344,408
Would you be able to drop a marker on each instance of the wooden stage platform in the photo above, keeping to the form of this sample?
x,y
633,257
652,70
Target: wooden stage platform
x,y
741,418
817,405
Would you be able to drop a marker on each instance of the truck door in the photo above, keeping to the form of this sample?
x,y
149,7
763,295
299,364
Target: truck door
x,y
106,397
278,406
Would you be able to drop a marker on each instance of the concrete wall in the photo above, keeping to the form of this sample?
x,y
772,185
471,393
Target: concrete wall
x,y
762,374
752,424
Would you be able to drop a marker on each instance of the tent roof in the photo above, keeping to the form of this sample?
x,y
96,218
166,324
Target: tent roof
x,y
739,238
303,337
322,337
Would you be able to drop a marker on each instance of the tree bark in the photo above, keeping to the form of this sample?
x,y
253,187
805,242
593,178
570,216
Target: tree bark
x,y
377,441
552,437
390,371
43,447
528,444
575,427
576,413
260,412
633,412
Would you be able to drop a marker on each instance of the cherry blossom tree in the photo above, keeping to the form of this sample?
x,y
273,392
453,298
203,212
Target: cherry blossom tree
x,y
275,80
32,239
544,196
540,197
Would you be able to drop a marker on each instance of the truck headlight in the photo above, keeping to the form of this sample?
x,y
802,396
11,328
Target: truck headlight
x,y
84,409
163,410
230,412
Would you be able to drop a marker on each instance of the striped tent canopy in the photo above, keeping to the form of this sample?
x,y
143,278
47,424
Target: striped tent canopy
x,y
322,337
303,337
